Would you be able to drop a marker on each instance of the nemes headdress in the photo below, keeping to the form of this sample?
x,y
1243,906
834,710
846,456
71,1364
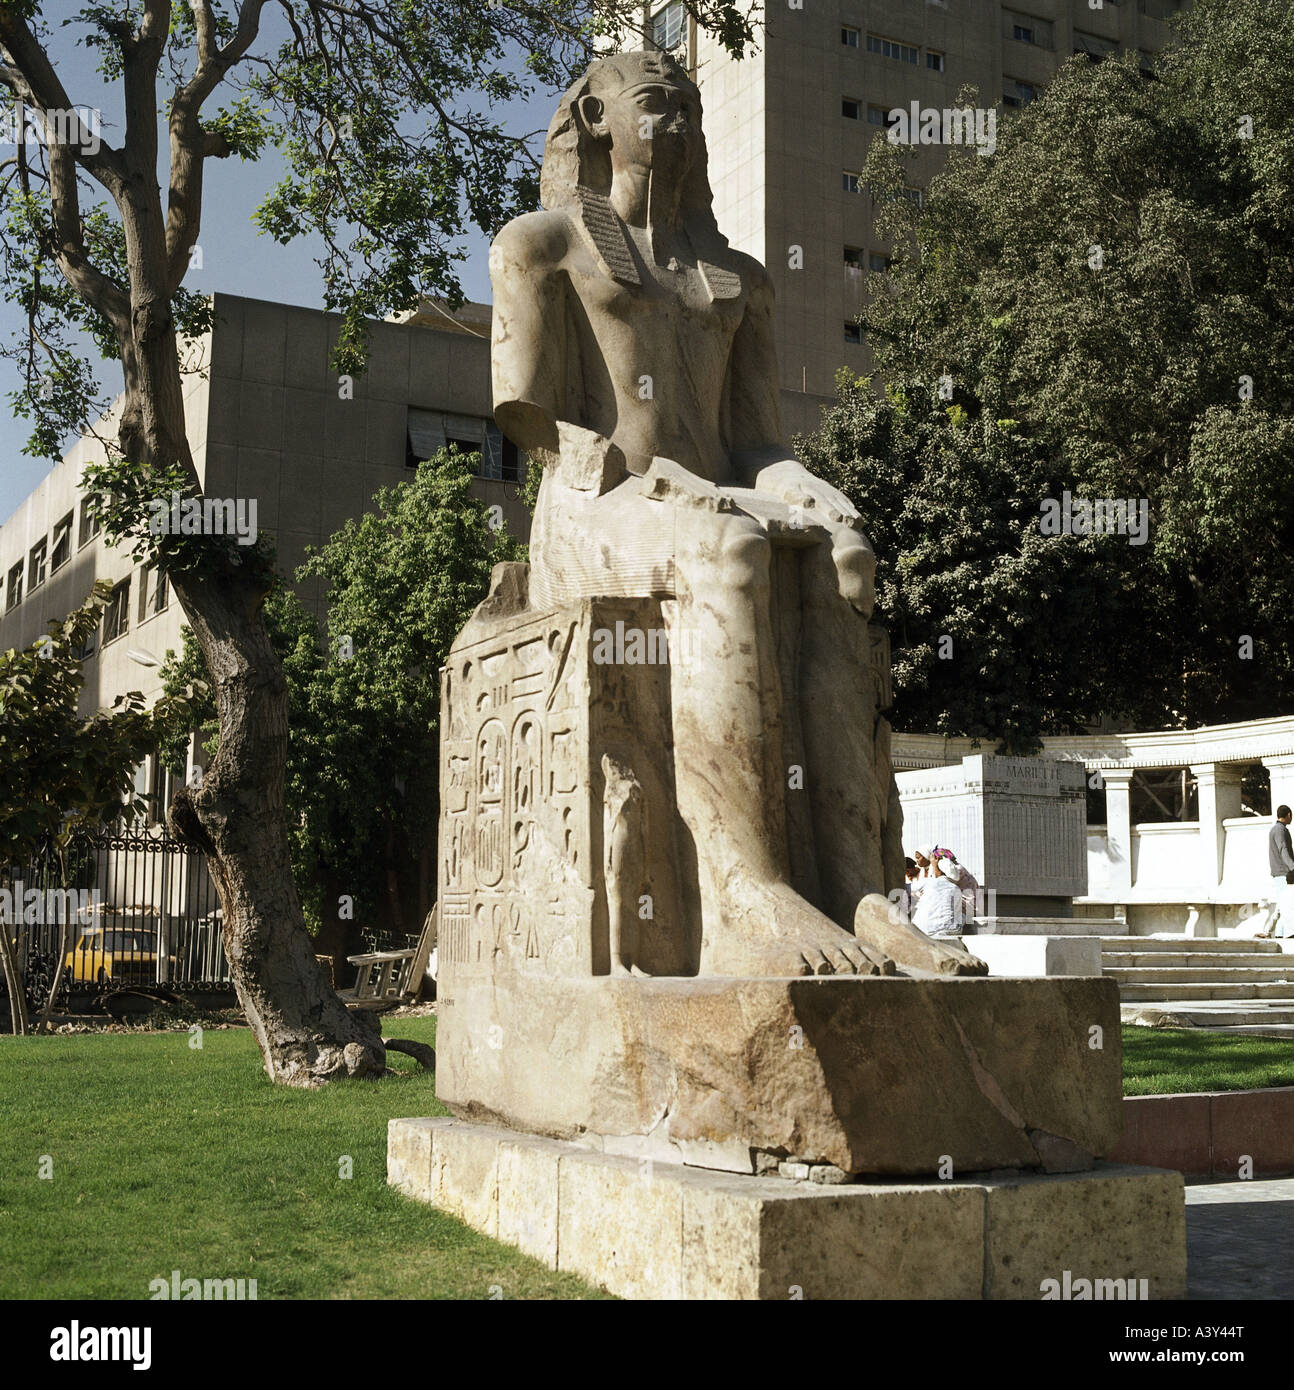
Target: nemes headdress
x,y
576,173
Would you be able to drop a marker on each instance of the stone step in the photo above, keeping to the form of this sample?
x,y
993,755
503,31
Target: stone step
x,y
1190,1013
1143,993
1164,960
1213,974
1213,945
1050,926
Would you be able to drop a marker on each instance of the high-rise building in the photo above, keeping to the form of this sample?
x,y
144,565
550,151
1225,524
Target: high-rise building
x,y
788,129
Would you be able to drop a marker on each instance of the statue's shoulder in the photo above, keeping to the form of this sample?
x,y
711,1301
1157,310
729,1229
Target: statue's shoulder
x,y
754,277
535,241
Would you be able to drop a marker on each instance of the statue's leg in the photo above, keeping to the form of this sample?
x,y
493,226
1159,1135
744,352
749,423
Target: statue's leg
x,y
728,761
848,756
838,714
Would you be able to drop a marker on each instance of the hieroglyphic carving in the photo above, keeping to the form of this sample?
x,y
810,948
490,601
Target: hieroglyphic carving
x,y
513,761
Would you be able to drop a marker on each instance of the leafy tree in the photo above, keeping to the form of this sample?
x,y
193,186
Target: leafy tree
x,y
1117,281
364,701
64,772
996,630
387,112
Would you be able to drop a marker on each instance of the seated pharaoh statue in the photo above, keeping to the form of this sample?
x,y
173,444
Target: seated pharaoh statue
x,y
633,357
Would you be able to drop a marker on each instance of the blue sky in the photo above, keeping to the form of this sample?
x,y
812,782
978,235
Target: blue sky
x,y
236,257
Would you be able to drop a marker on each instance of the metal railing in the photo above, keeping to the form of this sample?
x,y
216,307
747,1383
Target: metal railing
x,y
142,909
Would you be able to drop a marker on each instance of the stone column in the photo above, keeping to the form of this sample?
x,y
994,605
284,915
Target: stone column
x,y
1281,769
1218,790
1118,822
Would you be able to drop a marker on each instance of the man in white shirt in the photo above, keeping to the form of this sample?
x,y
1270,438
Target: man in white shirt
x,y
939,909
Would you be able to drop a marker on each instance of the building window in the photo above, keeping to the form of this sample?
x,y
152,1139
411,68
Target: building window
x,y
889,48
878,262
882,116
14,597
1018,93
116,617
154,592
848,36
854,257
495,458
853,333
934,61
1094,47
1026,28
915,196
849,182
86,649
36,565
669,25
89,521
850,109
62,551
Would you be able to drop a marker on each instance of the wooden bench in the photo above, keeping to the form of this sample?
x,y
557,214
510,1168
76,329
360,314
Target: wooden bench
x,y
387,979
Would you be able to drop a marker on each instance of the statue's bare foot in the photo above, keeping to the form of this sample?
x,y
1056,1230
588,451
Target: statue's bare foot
x,y
878,923
628,971
768,929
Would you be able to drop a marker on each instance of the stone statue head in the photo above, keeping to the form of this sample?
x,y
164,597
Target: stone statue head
x,y
604,107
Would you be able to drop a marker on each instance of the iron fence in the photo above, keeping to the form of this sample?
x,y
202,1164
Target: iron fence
x,y
140,909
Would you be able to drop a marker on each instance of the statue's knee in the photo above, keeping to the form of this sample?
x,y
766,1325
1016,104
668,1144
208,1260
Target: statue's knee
x,y
855,562
744,555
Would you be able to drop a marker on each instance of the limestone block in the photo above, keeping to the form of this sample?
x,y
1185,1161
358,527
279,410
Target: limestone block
x,y
653,1230
408,1156
1129,1225
619,1226
528,1197
873,1075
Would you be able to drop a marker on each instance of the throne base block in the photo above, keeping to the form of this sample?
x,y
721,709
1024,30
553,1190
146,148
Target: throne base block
x,y
874,1075
649,1230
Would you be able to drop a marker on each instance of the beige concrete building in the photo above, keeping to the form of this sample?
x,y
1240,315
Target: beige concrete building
x,y
269,422
788,130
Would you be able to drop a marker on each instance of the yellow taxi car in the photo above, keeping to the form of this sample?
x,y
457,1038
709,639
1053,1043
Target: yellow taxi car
x,y
114,955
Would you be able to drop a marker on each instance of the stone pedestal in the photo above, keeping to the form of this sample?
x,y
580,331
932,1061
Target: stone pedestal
x,y
1018,824
877,1075
652,1230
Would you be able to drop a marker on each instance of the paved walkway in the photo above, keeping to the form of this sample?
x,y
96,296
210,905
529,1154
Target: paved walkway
x,y
1240,1239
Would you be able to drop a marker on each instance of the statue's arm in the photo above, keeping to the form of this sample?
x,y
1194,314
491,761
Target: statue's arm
x,y
528,352
761,457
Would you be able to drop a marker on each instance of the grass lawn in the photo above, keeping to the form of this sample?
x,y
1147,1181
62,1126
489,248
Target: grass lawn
x,y
167,1157
1159,1061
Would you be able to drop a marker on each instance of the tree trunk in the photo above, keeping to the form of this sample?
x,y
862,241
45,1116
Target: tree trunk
x,y
306,1034
14,983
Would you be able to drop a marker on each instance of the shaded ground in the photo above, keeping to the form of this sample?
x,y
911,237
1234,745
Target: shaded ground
x,y
1240,1239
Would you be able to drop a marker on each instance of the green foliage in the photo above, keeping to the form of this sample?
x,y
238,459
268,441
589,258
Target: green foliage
x,y
997,631
61,771
364,700
133,506
1106,287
